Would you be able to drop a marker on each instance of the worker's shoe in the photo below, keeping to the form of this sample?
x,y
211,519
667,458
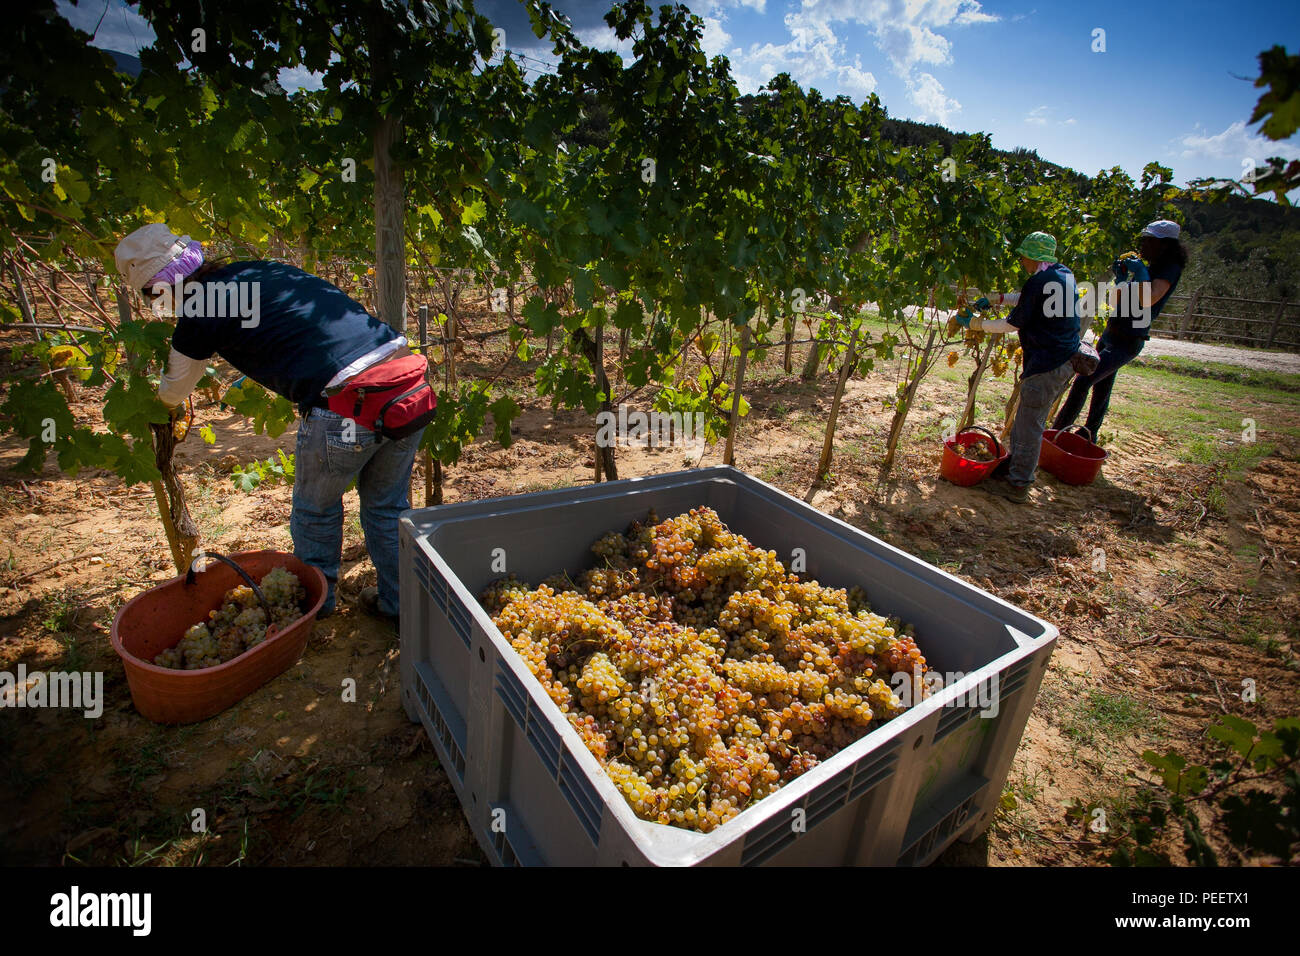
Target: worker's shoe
x,y
368,599
1019,494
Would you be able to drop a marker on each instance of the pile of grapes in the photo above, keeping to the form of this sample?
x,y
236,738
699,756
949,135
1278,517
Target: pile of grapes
x,y
699,672
977,451
239,625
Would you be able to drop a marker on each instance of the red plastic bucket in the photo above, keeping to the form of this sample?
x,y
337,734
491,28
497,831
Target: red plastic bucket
x,y
967,471
157,619
1070,456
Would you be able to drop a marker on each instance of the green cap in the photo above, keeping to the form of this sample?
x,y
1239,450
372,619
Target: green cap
x,y
1038,246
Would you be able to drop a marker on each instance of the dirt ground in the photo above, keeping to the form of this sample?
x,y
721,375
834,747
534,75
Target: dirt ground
x,y
1192,600
1286,362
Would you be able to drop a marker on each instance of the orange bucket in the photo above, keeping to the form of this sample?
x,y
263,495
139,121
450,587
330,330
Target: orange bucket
x,y
964,471
1071,457
157,619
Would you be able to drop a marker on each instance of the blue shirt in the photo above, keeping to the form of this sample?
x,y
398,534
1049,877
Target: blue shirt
x,y
1122,324
284,328
1047,318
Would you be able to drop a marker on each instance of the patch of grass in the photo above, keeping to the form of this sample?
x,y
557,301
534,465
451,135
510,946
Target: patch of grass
x,y
74,657
1274,638
320,789
1236,459
533,486
59,611
1172,404
1107,715
142,854
140,761
1013,818
1218,371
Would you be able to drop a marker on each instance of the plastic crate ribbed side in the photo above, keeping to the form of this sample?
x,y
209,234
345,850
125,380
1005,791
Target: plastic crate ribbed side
x,y
533,794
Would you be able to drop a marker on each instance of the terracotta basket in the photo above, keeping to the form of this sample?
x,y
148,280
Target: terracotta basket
x,y
964,471
1071,456
157,619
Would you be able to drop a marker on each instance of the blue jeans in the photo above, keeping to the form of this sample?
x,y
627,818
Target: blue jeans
x,y
1037,393
1114,354
331,453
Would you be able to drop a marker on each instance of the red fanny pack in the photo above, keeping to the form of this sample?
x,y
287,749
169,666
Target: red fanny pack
x,y
391,399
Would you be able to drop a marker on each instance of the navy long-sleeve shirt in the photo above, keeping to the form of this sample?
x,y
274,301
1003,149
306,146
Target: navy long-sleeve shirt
x,y
1047,318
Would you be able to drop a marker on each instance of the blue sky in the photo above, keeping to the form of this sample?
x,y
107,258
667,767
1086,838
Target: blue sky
x,y
1165,88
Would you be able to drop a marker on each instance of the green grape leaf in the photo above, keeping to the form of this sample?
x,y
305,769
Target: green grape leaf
x,y
504,410
1237,733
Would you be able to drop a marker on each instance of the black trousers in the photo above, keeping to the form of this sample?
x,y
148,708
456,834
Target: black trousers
x,y
1115,353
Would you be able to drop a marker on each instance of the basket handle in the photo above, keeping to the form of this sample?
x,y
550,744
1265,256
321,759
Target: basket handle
x,y
191,575
1080,428
997,445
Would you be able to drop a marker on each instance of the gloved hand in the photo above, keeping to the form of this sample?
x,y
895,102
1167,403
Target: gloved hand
x,y
963,318
1120,268
982,304
1137,270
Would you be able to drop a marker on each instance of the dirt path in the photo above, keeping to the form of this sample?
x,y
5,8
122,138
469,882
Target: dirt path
x,y
1287,362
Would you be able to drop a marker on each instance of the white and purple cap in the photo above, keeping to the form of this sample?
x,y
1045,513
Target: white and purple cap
x,y
154,253
1162,229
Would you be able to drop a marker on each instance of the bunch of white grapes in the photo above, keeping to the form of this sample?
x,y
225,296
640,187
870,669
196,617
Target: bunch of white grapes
x,y
239,625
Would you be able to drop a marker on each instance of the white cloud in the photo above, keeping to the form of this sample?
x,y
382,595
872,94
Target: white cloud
x,y
709,8
927,94
715,37
1037,116
1236,143
858,82
1042,115
300,78
910,33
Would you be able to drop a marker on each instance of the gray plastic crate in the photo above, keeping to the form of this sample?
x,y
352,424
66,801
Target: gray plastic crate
x,y
534,794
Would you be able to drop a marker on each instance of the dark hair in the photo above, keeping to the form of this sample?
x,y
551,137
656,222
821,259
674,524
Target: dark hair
x,y
209,266
1168,250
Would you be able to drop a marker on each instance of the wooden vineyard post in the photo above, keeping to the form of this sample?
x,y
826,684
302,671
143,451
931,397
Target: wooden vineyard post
x,y
905,405
1009,414
811,363
1185,326
600,368
787,360
182,533
390,225
1277,320
622,352
604,457
62,376
973,384
729,457
423,317
449,348
846,369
